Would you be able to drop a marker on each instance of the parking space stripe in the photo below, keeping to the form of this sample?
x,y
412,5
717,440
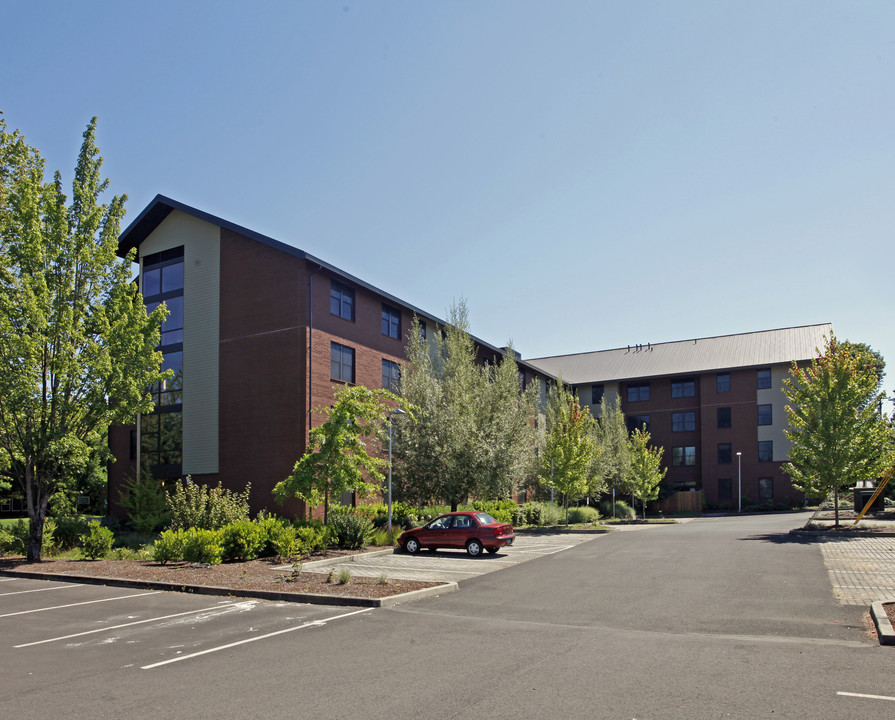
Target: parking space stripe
x,y
57,587
313,623
124,625
86,602
869,697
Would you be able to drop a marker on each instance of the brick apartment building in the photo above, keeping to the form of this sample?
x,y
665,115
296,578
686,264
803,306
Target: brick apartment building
x,y
258,334
714,404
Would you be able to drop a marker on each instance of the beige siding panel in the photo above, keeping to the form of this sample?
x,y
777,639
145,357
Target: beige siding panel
x,y
774,397
201,332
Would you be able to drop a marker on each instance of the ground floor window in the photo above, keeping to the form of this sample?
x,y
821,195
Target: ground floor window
x,y
766,488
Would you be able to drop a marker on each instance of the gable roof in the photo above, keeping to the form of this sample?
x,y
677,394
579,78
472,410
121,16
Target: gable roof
x,y
161,206
725,352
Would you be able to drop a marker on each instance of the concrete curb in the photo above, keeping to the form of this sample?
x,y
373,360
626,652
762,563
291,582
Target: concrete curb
x,y
275,595
884,628
844,534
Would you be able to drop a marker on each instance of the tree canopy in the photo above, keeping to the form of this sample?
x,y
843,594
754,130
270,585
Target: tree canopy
x,y
646,471
77,349
836,428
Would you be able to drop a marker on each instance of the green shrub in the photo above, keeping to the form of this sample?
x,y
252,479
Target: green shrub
x,y
70,530
97,543
403,515
311,540
49,543
169,547
202,546
501,510
583,514
196,506
7,541
19,531
350,531
622,510
282,541
243,540
146,504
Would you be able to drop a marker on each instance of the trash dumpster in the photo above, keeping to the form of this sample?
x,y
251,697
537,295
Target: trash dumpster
x,y
863,495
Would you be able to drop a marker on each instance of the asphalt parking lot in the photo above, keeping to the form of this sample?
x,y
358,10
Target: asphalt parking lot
x,y
451,565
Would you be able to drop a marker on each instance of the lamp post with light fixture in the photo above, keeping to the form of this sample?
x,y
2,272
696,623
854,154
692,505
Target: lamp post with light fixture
x,y
739,482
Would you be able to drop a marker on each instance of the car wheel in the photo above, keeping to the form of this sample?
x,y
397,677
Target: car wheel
x,y
493,550
474,548
412,545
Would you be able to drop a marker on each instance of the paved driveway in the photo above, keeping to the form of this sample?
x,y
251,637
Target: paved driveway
x,y
451,565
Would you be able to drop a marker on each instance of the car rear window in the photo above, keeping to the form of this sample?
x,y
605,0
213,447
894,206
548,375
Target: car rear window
x,y
485,518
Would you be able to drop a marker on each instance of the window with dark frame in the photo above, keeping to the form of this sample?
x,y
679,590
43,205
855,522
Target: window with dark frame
x,y
391,321
724,417
341,363
683,421
722,382
636,422
341,300
638,392
596,394
683,456
725,453
683,388
764,378
765,488
725,489
765,415
391,375
765,451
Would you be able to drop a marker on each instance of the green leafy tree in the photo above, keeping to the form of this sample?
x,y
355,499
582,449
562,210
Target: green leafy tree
x,y
612,464
338,458
837,432
570,447
474,430
77,349
646,471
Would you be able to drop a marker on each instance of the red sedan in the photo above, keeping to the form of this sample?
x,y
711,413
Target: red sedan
x,y
475,531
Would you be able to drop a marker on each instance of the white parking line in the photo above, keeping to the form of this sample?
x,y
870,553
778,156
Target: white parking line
x,y
869,697
86,602
313,623
124,625
57,587
414,569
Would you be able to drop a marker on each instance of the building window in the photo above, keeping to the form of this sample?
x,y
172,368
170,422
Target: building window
x,y
766,488
341,363
423,329
391,322
724,417
764,379
636,422
683,421
638,392
725,454
391,375
722,381
765,415
681,456
341,300
596,394
683,388
765,450
725,489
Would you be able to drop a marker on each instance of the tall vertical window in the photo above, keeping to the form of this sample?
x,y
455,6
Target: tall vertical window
x,y
683,388
683,455
765,415
724,417
341,300
391,375
766,488
391,321
765,450
161,431
596,394
423,329
722,382
638,392
764,379
341,362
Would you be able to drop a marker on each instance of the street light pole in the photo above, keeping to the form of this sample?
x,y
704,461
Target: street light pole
x,y
739,482
396,411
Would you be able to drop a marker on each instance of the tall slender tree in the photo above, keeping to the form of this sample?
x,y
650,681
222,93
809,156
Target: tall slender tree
x,y
77,349
646,471
838,433
613,462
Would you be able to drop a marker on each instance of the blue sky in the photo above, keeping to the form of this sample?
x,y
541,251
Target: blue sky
x,y
586,174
